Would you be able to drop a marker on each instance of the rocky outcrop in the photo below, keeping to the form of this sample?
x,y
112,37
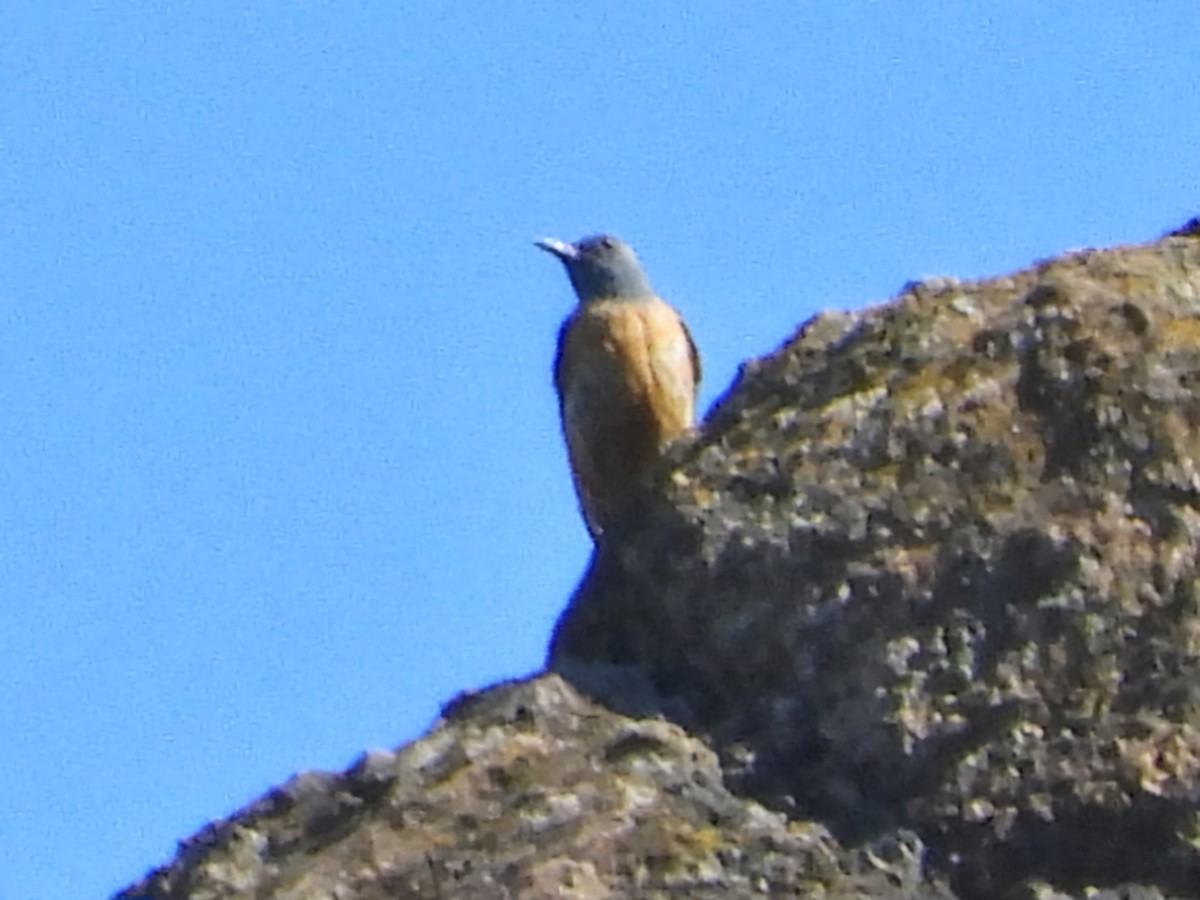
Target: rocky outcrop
x,y
914,614
527,790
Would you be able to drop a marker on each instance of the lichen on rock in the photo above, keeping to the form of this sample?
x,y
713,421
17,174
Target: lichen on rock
x,y
912,615
933,565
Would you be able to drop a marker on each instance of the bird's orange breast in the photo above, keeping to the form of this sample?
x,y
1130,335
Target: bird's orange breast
x,y
626,375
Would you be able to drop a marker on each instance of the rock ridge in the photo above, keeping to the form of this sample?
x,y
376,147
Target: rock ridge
x,y
912,615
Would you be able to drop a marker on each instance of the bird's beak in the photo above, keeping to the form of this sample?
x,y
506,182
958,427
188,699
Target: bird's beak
x,y
563,251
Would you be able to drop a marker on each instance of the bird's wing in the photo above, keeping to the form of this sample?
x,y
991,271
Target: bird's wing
x,y
579,442
559,354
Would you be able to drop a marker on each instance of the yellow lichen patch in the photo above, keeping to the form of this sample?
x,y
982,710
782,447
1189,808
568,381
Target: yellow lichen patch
x,y
912,564
677,848
559,877
1180,333
1162,759
883,475
702,841
951,380
846,408
1139,283
703,497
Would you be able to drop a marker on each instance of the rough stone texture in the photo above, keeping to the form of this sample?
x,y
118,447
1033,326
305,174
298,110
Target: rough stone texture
x,y
933,565
528,790
914,613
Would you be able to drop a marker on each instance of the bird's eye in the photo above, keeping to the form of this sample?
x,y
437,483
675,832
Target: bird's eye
x,y
606,243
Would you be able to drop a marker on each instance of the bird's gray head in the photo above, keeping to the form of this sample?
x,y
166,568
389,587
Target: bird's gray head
x,y
601,267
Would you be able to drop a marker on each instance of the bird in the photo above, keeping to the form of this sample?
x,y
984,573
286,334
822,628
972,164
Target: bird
x,y
626,370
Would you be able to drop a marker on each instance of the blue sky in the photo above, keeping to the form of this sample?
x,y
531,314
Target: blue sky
x,y
280,468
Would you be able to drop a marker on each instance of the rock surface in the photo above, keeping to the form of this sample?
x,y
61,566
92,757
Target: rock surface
x,y
527,790
914,615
